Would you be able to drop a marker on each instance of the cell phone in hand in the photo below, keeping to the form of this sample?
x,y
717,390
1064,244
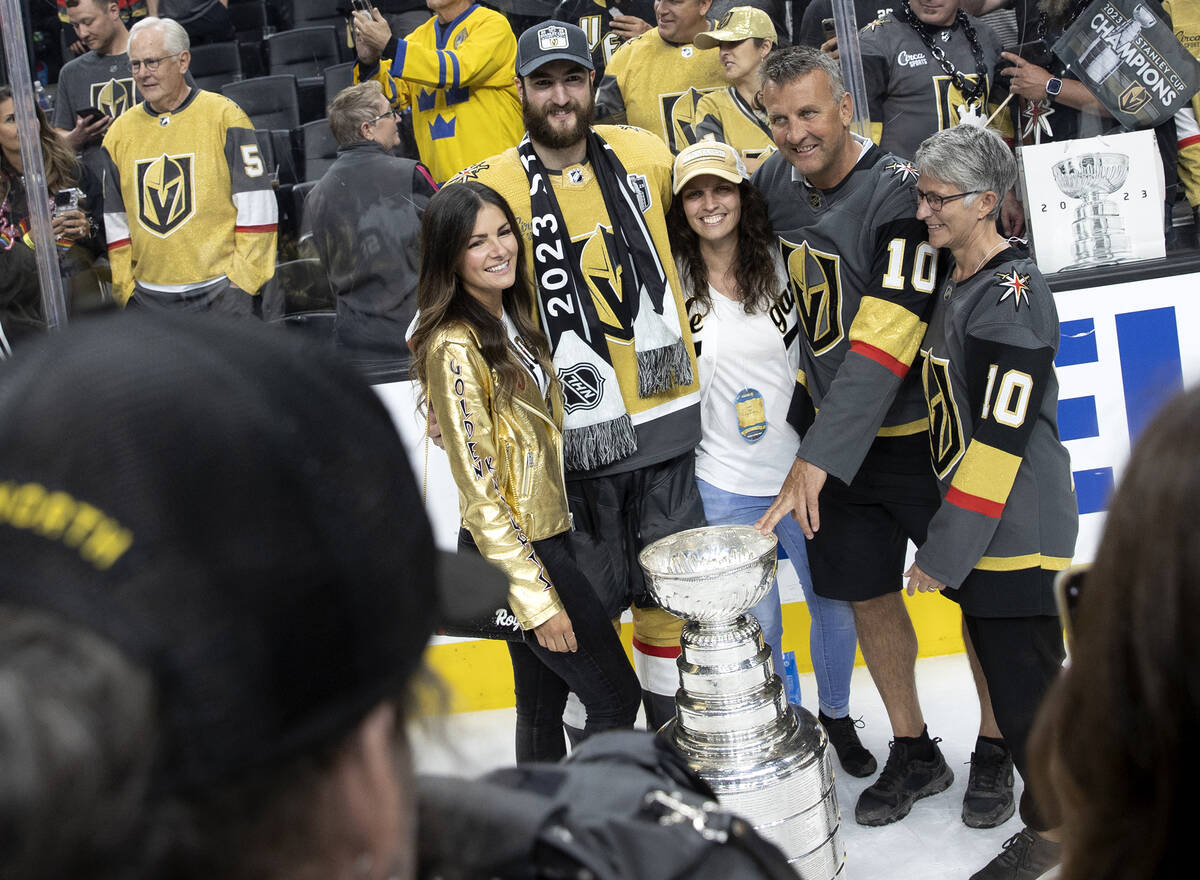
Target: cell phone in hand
x,y
90,115
828,29
362,6
1068,588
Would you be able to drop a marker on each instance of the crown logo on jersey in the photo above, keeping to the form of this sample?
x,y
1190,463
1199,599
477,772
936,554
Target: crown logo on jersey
x,y
552,37
906,171
113,97
1015,285
440,128
165,193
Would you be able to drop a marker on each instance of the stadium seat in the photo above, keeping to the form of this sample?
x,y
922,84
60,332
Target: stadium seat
x,y
311,13
251,27
271,102
316,148
337,78
215,65
303,52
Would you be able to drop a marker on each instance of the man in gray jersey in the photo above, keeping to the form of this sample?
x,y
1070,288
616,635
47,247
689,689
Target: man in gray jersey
x,y
862,272
100,79
929,66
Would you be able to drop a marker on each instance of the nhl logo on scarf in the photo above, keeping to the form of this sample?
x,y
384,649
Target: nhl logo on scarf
x,y
582,386
552,38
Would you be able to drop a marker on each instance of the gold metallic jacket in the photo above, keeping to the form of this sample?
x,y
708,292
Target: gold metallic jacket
x,y
507,465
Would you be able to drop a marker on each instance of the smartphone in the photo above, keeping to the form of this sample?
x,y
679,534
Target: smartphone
x,y
90,114
361,6
1068,588
67,200
828,29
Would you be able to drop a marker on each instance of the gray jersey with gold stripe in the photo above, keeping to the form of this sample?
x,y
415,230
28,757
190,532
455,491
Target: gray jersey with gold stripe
x,y
1008,518
862,273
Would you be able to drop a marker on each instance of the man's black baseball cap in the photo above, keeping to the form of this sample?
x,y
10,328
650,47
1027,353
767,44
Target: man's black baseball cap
x,y
552,41
235,510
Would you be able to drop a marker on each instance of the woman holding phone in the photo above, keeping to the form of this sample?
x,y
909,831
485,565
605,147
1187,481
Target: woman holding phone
x,y
71,192
485,371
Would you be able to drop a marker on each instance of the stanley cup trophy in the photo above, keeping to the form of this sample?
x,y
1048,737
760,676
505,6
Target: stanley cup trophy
x,y
766,760
1099,229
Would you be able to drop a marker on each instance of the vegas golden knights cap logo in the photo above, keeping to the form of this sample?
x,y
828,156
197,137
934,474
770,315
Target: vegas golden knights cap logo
x,y
165,193
113,97
815,282
945,428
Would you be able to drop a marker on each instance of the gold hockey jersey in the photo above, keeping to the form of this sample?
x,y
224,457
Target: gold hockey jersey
x,y
667,424
655,85
187,198
458,79
1185,21
725,116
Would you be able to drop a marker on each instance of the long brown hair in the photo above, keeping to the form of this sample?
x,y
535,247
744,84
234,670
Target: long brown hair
x,y
1114,745
62,169
755,260
446,227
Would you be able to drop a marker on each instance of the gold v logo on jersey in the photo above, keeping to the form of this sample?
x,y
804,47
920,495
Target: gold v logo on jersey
x,y
815,279
113,97
602,275
678,116
166,193
945,427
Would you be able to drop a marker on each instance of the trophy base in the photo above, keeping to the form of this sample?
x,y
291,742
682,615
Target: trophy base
x,y
1100,250
779,778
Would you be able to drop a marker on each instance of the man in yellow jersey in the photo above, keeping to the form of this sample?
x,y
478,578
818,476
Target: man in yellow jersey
x,y
188,207
591,203
655,80
456,72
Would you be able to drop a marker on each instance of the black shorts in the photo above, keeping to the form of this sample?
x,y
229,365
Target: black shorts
x,y
858,553
615,516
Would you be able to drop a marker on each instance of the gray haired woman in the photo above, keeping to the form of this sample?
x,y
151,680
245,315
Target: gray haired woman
x,y
1008,516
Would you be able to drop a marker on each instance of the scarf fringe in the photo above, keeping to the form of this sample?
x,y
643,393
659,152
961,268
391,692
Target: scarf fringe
x,y
593,446
661,369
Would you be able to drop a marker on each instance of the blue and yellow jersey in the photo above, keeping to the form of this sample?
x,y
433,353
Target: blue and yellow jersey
x,y
458,80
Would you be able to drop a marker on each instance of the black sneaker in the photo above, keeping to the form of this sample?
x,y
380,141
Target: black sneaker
x,y
1025,856
852,754
903,781
988,800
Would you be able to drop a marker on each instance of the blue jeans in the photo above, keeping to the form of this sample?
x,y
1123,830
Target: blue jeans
x,y
832,638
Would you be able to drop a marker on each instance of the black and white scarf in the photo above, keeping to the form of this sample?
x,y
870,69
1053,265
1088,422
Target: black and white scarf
x,y
598,429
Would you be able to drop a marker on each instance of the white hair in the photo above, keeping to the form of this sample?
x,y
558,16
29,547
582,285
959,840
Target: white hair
x,y
175,38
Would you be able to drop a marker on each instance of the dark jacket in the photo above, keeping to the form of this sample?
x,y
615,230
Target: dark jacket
x,y
365,219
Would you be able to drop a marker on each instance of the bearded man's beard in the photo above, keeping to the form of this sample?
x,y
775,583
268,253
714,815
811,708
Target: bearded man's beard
x,y
537,123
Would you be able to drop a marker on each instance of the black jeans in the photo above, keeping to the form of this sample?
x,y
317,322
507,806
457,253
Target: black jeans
x,y
599,671
1020,657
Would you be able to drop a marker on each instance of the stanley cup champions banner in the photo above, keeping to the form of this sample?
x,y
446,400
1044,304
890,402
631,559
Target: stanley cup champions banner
x,y
1129,59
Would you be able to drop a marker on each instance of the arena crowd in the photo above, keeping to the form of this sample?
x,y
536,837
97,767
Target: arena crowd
x,y
647,275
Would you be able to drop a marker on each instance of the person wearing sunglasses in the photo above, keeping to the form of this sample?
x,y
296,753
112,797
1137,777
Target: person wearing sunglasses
x,y
1115,738
364,219
1008,518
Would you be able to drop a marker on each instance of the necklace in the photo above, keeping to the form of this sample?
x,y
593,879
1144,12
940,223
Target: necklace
x,y
990,254
1043,21
971,91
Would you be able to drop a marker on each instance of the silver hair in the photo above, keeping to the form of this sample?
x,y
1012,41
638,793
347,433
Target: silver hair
x,y
790,63
971,158
175,38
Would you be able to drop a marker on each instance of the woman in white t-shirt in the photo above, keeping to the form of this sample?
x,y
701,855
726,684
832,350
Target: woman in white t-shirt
x,y
744,324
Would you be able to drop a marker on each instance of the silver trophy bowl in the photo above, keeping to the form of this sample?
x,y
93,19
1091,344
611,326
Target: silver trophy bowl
x,y
766,759
711,574
1099,229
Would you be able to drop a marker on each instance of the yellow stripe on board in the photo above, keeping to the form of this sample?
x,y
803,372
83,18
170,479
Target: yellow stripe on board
x,y
478,675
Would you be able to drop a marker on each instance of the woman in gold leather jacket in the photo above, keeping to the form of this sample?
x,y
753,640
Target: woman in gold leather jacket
x,y
485,370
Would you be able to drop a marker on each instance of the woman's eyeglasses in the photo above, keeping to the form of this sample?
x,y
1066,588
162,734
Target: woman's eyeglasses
x,y
936,202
